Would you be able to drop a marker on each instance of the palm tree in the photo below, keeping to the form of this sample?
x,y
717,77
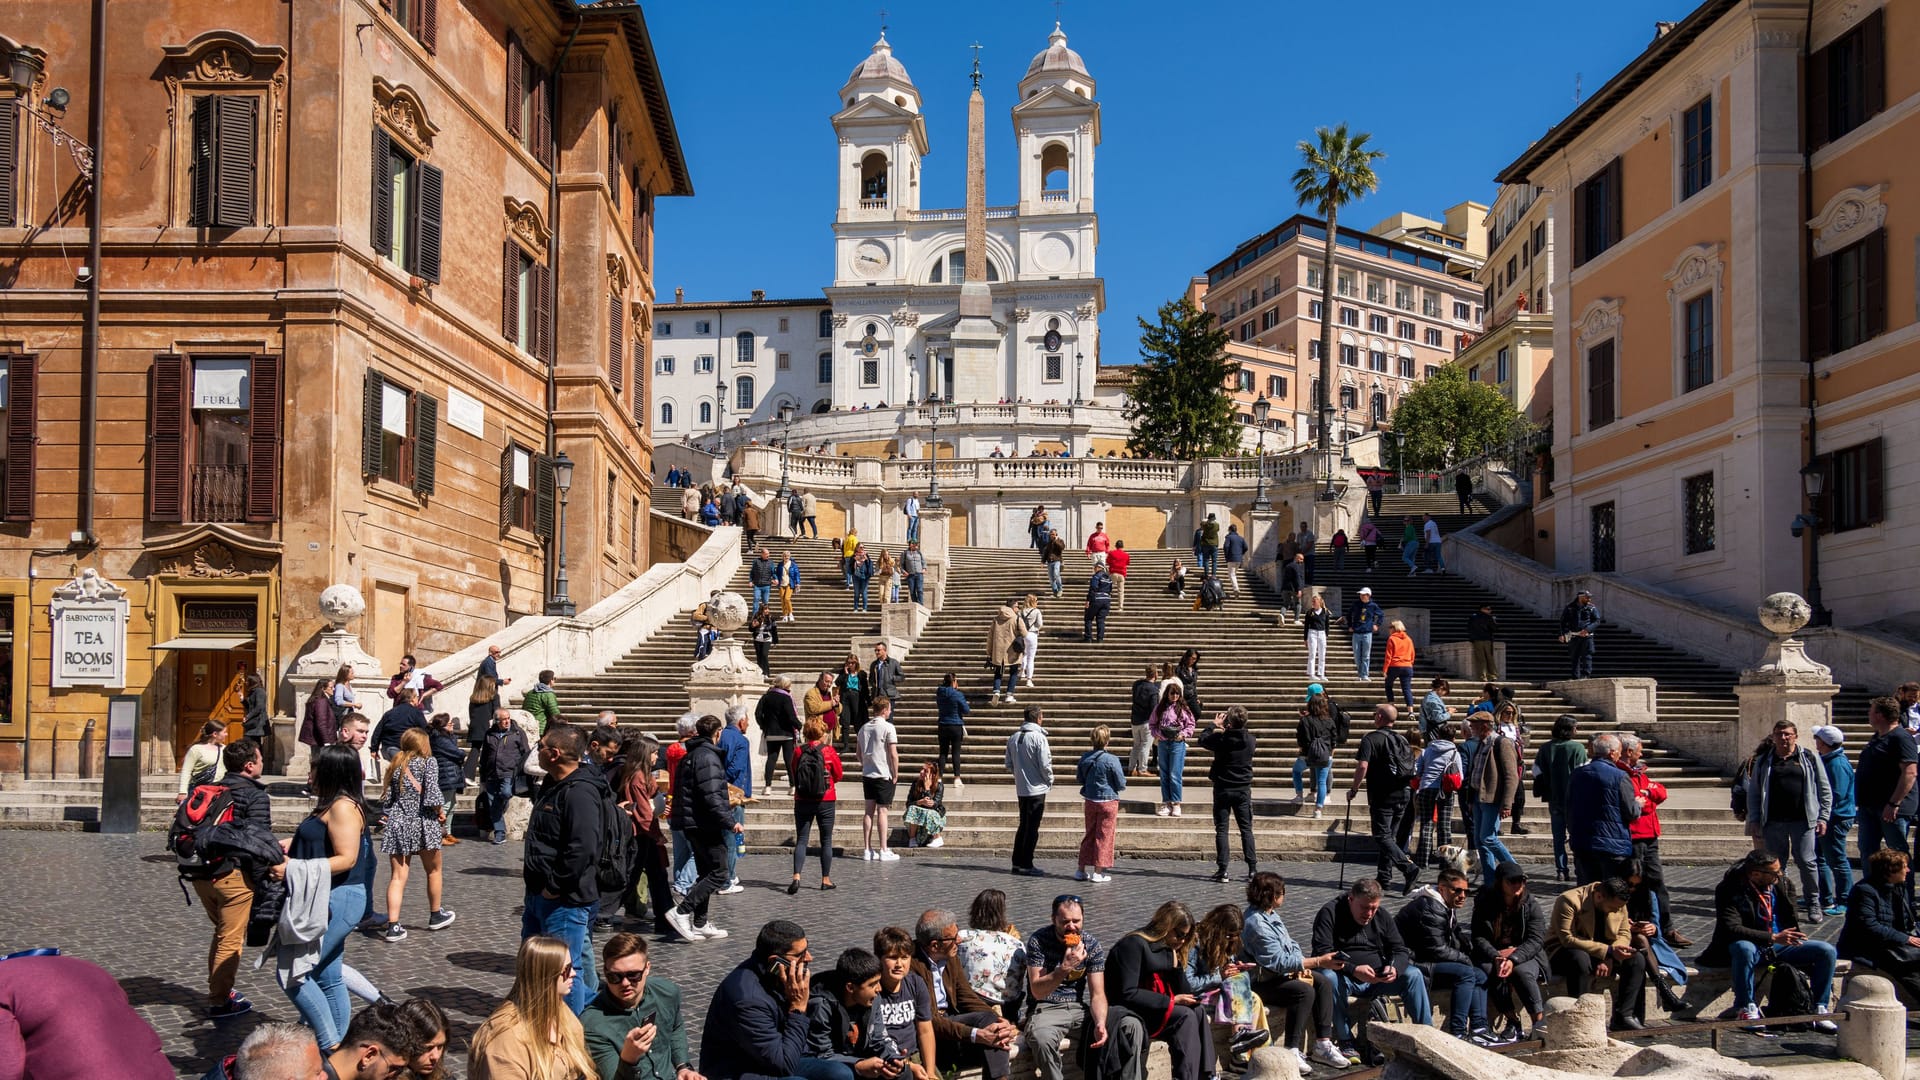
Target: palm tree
x,y
1337,169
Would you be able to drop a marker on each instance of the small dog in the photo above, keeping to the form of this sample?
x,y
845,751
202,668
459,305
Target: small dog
x,y
1454,857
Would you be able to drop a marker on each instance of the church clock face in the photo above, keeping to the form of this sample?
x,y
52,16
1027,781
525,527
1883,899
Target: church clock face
x,y
870,258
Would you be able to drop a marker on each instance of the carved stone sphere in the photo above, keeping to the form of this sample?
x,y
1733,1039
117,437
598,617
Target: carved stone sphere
x,y
1784,613
728,612
342,604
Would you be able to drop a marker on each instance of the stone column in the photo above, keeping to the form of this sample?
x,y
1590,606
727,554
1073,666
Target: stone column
x,y
934,529
1263,545
1786,684
727,676
1874,1032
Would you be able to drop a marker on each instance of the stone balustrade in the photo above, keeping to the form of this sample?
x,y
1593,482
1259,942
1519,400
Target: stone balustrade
x,y
973,430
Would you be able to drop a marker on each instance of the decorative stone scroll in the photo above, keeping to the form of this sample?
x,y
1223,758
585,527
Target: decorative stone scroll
x,y
1848,216
525,225
1601,320
1697,264
400,110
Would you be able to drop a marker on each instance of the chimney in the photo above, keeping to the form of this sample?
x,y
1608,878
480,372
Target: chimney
x,y
679,295
759,295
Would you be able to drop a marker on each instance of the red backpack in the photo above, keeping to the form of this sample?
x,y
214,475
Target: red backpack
x,y
205,806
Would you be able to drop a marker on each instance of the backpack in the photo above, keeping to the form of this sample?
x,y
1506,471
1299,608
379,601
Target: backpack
x,y
1400,763
205,806
617,844
1791,993
810,773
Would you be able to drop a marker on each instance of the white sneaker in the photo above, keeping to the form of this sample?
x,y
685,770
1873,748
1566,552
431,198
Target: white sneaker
x,y
938,841
995,700
1752,1012
682,924
1161,810
1825,1027
1305,1069
1328,1054
1011,700
1176,809
887,855
1098,878
736,887
708,930
1316,813
869,855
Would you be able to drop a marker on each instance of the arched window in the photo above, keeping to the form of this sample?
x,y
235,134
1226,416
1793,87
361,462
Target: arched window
x,y
1054,173
873,329
743,394
666,414
873,178
706,412
957,267
826,324
743,346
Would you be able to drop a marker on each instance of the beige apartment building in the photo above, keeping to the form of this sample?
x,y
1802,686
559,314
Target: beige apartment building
x,y
1736,382
1514,351
1459,237
1400,315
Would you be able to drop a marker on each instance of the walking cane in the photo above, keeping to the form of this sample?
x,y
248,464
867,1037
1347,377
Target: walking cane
x,y
1345,844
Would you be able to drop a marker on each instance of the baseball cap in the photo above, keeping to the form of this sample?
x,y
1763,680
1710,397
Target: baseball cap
x,y
1364,591
1315,688
1830,735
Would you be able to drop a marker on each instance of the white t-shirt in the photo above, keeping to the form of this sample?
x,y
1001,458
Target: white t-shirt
x,y
875,737
1433,532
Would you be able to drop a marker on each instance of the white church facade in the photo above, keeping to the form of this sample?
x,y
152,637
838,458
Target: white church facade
x,y
892,329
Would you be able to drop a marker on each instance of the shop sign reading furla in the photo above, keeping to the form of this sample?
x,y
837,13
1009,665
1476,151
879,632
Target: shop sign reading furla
x,y
89,616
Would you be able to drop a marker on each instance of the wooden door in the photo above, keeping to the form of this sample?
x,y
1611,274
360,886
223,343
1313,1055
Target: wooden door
x,y
212,687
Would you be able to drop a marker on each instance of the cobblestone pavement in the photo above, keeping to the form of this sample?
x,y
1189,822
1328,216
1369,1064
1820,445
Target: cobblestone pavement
x,y
113,900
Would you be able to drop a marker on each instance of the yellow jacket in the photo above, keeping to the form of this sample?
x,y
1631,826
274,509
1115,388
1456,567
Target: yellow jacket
x,y
1578,923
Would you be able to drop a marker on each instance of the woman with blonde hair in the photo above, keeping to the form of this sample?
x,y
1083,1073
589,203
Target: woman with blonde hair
x,y
533,1035
1147,973
1102,779
415,812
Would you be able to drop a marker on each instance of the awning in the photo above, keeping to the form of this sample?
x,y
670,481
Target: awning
x,y
210,644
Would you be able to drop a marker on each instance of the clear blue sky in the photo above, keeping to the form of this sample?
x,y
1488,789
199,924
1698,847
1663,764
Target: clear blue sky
x,y
1201,107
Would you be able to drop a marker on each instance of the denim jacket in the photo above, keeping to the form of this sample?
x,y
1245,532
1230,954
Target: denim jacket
x,y
1265,941
1100,775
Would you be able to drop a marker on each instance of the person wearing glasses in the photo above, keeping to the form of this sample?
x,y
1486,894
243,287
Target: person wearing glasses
x,y
1755,919
1443,950
1067,982
966,1029
533,1032
1375,960
634,1029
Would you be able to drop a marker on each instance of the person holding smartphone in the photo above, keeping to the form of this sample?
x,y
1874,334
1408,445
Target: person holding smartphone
x,y
634,1026
765,999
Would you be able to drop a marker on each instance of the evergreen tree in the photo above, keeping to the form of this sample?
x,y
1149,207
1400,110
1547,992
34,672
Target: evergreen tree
x,y
1178,405
1446,419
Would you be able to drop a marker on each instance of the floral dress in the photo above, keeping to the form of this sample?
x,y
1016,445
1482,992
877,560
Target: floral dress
x,y
410,795
995,962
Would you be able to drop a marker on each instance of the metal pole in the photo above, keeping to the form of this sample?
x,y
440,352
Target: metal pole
x,y
1260,500
561,603
933,463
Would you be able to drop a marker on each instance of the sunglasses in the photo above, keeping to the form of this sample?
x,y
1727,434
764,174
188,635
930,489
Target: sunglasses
x,y
567,972
1067,898
626,976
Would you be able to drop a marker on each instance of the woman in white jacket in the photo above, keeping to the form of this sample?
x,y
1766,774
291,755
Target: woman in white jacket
x,y
1030,623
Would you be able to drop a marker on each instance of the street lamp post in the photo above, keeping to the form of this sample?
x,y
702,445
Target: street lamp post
x,y
1813,478
720,411
786,442
933,463
560,603
1262,408
1346,441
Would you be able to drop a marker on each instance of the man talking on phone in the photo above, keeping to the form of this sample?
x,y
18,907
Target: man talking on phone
x,y
633,1026
765,999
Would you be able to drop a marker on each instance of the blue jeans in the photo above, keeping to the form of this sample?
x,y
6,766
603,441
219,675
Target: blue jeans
x,y
859,595
683,875
812,1068
1434,561
1469,1009
321,997
913,528
1486,829
1557,820
1816,958
1322,774
1409,554
733,846
1836,870
914,583
846,571
1173,760
1410,987
1053,577
1363,655
1403,676
761,595
1208,557
499,794
573,925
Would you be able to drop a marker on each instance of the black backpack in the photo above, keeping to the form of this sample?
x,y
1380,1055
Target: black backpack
x,y
617,843
1400,763
205,806
810,773
1791,993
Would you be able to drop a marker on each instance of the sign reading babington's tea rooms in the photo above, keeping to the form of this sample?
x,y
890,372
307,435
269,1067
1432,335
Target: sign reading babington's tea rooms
x,y
89,616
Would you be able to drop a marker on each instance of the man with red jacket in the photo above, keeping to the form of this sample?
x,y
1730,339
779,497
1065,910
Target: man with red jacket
x,y
1117,560
1645,831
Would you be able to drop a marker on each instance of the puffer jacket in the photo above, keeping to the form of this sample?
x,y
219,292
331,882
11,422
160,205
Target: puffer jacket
x,y
700,789
1818,804
1433,931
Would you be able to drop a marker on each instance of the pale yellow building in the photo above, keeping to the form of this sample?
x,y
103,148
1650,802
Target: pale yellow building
x,y
1515,350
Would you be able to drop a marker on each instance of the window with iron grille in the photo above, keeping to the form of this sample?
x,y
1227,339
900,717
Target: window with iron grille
x,y
1696,513
1696,148
782,361
1603,538
869,373
1054,367
1698,340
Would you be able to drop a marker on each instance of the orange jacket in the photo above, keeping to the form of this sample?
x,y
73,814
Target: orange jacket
x,y
1399,649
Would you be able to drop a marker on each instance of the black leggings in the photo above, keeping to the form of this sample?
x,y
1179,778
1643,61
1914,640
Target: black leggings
x,y
951,738
1189,1039
779,750
1298,998
649,861
805,813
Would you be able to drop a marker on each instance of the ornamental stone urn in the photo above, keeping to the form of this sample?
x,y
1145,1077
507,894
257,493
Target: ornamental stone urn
x,y
339,604
1786,685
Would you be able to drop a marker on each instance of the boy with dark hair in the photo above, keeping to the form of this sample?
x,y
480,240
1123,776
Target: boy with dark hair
x,y
845,1037
905,1003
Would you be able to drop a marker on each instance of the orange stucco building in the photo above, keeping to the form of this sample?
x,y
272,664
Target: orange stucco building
x,y
367,269
1734,309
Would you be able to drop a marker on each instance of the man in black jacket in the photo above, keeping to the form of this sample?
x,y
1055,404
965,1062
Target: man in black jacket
x,y
1442,949
502,756
1146,694
700,812
1749,903
1232,776
1373,959
394,722
779,724
563,854
227,897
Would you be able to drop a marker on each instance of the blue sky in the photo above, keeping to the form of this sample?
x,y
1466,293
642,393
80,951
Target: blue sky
x,y
1201,107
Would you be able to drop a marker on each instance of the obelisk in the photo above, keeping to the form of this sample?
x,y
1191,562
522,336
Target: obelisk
x,y
977,362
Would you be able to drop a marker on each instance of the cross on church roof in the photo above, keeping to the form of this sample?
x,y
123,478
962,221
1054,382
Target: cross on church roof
x,y
976,65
